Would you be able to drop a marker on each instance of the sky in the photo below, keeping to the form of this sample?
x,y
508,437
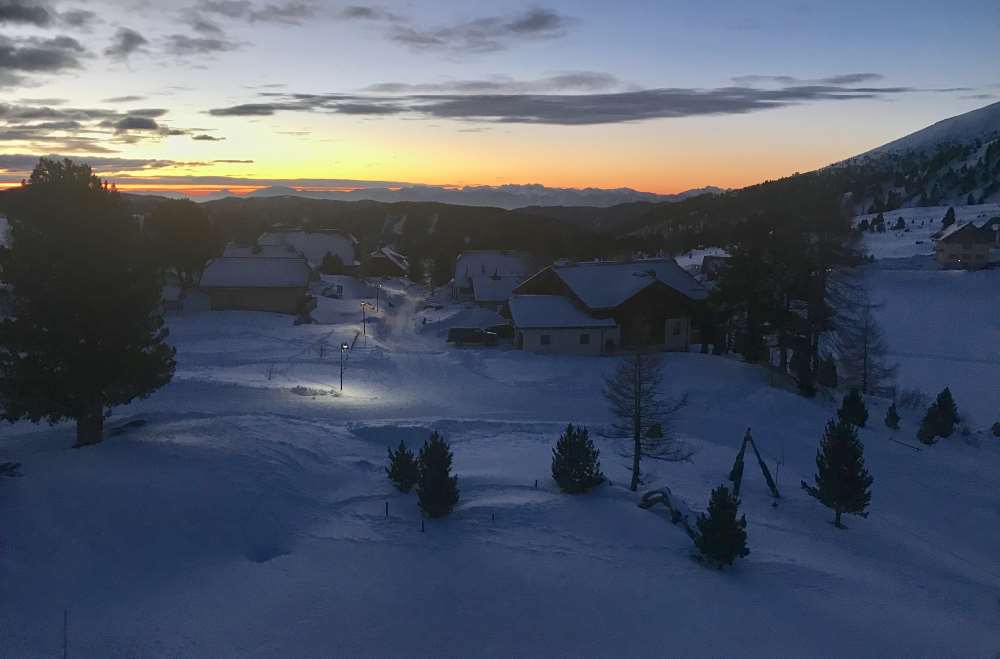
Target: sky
x,y
657,96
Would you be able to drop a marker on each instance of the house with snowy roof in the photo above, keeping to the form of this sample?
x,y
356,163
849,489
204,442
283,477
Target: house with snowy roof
x,y
485,263
493,291
277,285
650,301
969,246
314,245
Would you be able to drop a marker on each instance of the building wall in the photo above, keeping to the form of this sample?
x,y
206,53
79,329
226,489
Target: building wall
x,y
274,300
970,256
677,334
567,341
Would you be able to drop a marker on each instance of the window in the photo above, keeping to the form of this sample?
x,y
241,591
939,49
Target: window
x,y
677,328
546,339
585,339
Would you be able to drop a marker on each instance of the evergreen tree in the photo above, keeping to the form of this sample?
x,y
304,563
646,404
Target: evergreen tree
x,y
827,374
576,466
948,219
437,489
892,418
949,412
85,332
841,482
853,409
332,264
721,537
859,341
403,469
930,425
182,238
803,372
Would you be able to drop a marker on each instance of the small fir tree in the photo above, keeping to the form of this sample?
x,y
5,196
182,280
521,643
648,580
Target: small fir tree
x,y
892,418
930,425
437,489
827,374
403,469
576,466
721,537
842,483
853,409
948,412
949,218
803,372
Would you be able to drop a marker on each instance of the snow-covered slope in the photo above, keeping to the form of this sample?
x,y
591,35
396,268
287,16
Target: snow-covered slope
x,y
245,519
983,123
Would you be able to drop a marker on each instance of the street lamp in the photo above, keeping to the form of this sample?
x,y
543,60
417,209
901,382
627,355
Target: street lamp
x,y
343,355
378,289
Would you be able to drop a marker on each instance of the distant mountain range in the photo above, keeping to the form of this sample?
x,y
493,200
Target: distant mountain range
x,y
500,196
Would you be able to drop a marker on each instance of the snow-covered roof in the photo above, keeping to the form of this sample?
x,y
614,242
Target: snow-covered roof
x,y
494,288
395,257
605,285
551,312
490,262
968,234
315,245
261,251
255,272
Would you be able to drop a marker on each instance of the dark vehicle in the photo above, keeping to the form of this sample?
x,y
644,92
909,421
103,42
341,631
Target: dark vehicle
x,y
462,335
502,331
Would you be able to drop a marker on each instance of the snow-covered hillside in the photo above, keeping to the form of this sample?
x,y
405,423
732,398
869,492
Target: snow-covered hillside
x,y
982,123
245,519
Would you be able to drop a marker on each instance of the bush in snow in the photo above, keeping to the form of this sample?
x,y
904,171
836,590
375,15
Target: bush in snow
x,y
403,469
575,461
996,429
841,483
853,409
948,219
721,537
949,412
437,489
892,418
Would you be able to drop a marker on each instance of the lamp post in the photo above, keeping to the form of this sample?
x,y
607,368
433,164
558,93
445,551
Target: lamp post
x,y
343,356
364,322
378,290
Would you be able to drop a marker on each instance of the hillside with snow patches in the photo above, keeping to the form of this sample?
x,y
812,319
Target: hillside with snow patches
x,y
241,510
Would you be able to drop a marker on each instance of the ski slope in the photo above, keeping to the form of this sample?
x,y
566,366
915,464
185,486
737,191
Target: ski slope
x,y
245,520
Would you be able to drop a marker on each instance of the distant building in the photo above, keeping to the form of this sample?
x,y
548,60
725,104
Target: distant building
x,y
234,250
969,247
481,262
385,262
651,301
315,245
493,291
277,285
553,323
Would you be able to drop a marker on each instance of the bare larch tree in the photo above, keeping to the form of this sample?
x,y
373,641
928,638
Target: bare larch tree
x,y
641,413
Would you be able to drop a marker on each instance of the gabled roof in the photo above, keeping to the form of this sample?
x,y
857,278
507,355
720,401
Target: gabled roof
x,y
255,272
393,256
969,234
471,263
606,285
551,312
494,288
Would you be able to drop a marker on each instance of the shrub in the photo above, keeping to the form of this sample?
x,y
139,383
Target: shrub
x,y
575,461
403,469
892,417
437,489
996,429
721,537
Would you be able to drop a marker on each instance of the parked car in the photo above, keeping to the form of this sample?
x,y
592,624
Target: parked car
x,y
462,335
505,331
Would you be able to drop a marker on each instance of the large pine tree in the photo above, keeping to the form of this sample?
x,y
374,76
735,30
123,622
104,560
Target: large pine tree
x,y
85,332
182,238
842,483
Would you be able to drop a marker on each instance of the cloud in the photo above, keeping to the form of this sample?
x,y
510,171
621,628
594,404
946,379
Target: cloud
x,y
233,162
39,55
123,99
484,34
289,13
78,18
207,138
366,13
23,163
125,42
510,101
136,123
568,81
784,80
183,45
24,12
